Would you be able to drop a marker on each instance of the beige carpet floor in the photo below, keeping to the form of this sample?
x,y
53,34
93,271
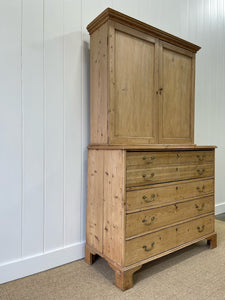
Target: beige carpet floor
x,y
195,272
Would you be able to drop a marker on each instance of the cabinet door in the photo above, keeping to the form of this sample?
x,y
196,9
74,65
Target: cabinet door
x,y
133,68
176,95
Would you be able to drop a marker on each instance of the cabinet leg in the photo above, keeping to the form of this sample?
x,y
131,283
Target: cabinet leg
x,y
212,241
124,279
89,256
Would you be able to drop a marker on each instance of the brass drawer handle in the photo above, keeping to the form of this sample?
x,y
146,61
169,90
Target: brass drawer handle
x,y
201,157
149,160
200,172
201,190
201,230
200,208
149,249
148,223
145,198
144,176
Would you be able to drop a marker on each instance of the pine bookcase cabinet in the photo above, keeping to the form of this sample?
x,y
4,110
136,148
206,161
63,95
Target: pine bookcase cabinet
x,y
150,189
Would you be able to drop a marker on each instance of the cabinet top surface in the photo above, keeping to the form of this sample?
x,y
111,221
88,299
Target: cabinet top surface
x,y
113,15
151,147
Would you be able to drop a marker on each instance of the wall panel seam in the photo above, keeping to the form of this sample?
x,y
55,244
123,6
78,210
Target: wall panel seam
x,y
44,131
63,112
82,119
22,132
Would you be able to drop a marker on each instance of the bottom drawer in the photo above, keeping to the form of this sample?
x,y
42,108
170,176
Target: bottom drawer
x,y
141,248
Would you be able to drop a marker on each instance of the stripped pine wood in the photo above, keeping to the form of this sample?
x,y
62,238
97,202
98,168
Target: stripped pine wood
x,y
156,195
145,221
134,67
176,104
157,186
118,221
118,17
151,159
157,147
99,86
114,205
211,238
94,221
124,279
168,173
141,248
134,100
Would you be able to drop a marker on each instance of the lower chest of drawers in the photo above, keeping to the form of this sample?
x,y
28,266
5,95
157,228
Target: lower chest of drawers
x,y
169,200
144,204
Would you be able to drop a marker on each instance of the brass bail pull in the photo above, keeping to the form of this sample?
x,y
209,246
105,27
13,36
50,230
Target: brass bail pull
x,y
145,176
201,229
148,223
149,249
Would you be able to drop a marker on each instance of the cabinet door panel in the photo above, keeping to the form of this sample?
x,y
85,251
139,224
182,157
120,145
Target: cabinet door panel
x,y
132,102
176,78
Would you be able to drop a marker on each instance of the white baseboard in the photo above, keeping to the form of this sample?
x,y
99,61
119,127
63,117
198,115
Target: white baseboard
x,y
220,209
41,262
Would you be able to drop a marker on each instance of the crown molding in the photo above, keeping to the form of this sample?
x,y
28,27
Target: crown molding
x,y
113,15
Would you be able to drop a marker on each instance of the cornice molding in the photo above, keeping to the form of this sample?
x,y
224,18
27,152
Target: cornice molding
x,y
113,15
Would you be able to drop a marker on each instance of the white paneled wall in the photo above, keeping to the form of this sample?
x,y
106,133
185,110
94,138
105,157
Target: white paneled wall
x,y
32,134
44,116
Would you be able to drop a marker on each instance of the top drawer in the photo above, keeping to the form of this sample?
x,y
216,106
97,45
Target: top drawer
x,y
150,159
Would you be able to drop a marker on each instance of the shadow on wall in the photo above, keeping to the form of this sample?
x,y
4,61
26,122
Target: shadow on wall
x,y
85,128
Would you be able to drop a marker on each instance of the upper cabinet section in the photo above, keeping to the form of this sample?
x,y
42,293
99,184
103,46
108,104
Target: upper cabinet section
x,y
142,83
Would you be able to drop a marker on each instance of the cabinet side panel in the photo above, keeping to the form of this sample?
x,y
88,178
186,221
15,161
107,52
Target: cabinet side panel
x,y
214,179
193,100
95,199
98,85
114,203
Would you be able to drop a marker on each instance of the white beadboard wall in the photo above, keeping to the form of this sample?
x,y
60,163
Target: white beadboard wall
x,y
44,116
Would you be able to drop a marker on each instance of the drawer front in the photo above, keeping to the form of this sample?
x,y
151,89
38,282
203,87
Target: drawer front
x,y
141,248
146,159
167,174
159,195
145,221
